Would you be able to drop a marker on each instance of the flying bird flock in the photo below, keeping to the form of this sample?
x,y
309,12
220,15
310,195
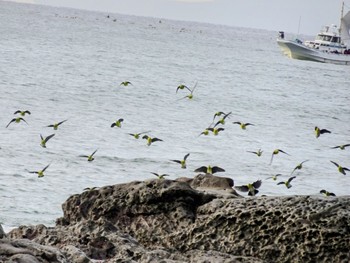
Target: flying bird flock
x,y
219,123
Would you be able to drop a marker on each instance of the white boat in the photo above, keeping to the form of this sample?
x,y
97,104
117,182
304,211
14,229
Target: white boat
x,y
330,45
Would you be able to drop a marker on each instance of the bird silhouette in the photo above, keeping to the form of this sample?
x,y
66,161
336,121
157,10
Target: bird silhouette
x,y
16,120
40,173
340,168
22,113
90,157
209,169
182,162
326,193
45,140
125,83
258,152
151,140
275,152
55,125
274,177
182,86
117,123
341,147
250,188
216,131
242,124
137,135
287,183
319,131
299,166
160,176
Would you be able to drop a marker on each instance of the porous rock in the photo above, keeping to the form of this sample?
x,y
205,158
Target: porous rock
x,y
170,221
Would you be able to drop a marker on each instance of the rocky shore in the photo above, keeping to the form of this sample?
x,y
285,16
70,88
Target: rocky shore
x,y
187,220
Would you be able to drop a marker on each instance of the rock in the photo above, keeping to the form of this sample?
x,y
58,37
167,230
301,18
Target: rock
x,y
193,221
2,232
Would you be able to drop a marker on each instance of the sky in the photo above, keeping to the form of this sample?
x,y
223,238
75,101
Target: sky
x,y
294,16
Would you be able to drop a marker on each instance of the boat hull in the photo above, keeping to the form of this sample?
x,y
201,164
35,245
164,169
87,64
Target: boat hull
x,y
296,50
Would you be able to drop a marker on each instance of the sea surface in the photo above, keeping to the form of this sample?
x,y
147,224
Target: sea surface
x,y
67,64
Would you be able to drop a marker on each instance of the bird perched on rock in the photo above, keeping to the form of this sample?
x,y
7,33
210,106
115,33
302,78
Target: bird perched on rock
x,y
22,113
287,183
45,140
319,131
55,125
341,147
274,177
242,124
125,83
160,176
326,193
151,140
275,152
299,166
137,135
216,131
40,173
258,152
250,188
182,162
117,123
340,168
16,120
90,157
209,169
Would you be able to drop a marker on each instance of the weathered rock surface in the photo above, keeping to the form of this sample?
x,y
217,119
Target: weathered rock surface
x,y
170,221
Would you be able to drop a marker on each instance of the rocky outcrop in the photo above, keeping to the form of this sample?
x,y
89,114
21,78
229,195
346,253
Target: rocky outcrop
x,y
195,220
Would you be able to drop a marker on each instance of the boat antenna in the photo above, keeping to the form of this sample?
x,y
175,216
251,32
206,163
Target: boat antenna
x,y
341,16
299,25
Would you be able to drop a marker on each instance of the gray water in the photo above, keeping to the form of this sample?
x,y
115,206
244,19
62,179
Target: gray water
x,y
68,64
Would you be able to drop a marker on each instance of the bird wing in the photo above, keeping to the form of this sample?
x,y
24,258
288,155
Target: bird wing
x,y
271,158
216,169
156,139
176,161
335,163
202,169
283,151
290,179
10,122
257,184
46,167
61,122
185,157
253,193
322,131
49,137
93,153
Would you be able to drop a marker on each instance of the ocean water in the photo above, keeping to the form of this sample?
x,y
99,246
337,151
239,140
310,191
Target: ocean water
x,y
66,64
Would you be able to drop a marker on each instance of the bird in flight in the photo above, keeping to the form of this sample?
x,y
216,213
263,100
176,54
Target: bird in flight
x,y
250,188
22,113
340,168
209,169
216,131
341,147
90,157
55,125
287,183
258,152
222,120
151,140
299,166
182,162
125,83
274,177
137,135
275,152
182,86
190,96
16,120
160,176
40,173
117,123
45,140
242,124
319,131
